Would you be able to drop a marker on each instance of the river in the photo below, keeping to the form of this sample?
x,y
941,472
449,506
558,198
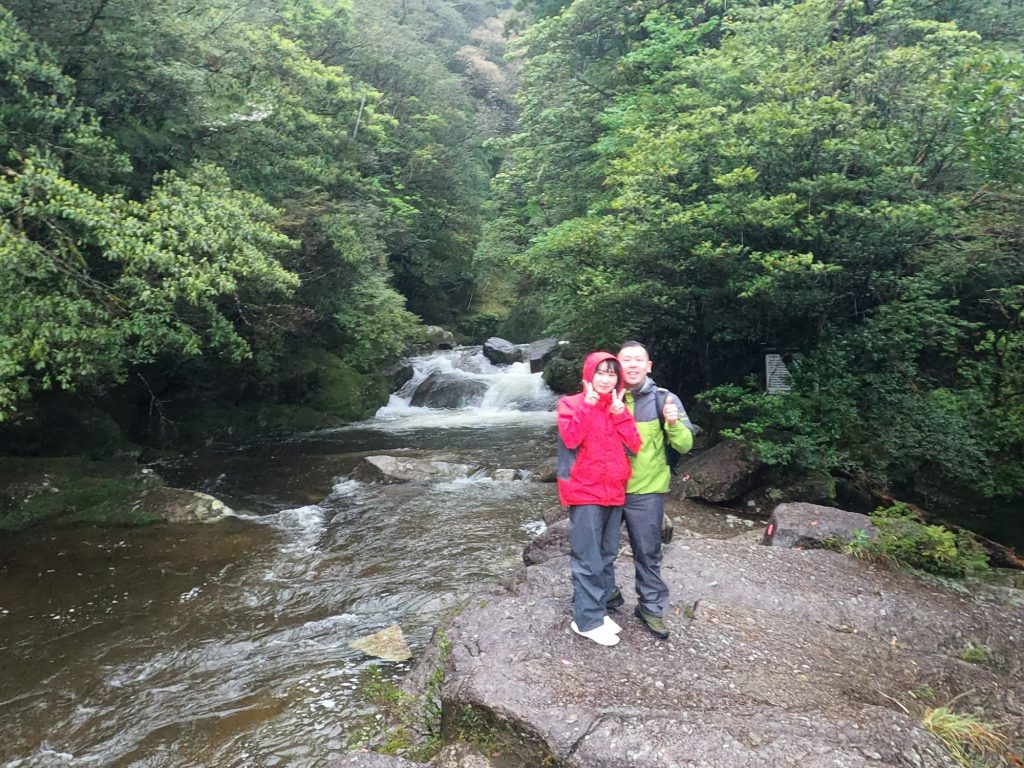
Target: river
x,y
227,644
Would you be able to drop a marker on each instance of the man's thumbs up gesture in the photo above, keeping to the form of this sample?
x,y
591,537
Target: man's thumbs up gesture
x,y
670,412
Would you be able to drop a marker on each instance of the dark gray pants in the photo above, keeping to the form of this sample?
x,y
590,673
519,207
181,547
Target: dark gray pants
x,y
644,514
594,543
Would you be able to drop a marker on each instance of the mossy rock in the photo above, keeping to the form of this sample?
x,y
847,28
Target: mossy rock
x,y
563,375
68,491
59,425
223,423
344,392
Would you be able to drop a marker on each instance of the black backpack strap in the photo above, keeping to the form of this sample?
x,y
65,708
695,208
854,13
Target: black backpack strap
x,y
660,398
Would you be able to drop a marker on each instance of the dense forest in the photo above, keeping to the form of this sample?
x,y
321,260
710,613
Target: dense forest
x,y
247,200
241,200
838,181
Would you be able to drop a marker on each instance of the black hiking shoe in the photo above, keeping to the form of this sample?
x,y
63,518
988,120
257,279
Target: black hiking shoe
x,y
615,600
652,623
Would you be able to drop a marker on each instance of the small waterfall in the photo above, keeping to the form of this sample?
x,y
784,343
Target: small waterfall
x,y
462,388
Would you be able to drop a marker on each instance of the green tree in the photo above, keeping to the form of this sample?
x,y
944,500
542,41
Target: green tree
x,y
96,283
838,179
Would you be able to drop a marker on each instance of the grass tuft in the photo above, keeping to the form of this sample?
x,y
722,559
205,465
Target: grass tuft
x,y
966,737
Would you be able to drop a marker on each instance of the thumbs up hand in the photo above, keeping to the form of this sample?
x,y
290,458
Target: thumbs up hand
x,y
670,412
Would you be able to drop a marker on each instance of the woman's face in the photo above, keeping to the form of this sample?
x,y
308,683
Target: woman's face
x,y
605,378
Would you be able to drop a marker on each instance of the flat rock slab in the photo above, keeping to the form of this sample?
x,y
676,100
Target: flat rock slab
x,y
405,469
778,658
388,644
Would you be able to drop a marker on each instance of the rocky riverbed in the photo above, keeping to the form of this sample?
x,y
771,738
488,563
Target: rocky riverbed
x,y
778,657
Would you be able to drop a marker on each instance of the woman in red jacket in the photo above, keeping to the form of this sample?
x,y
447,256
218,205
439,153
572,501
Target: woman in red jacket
x,y
595,430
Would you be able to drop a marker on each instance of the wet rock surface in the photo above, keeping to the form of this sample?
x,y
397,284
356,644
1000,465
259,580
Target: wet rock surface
x,y
388,644
427,467
179,505
542,352
777,657
448,390
404,469
502,352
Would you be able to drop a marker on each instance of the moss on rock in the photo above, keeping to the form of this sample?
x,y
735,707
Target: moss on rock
x,y
71,491
342,391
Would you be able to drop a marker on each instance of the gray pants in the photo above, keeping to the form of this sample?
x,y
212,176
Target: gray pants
x,y
644,514
594,543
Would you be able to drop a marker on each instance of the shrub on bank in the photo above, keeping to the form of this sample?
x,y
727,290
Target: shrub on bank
x,y
904,539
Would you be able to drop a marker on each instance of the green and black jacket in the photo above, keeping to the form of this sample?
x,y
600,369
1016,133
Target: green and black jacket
x,y
651,473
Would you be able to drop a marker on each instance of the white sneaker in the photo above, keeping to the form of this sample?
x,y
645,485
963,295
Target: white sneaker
x,y
601,635
609,624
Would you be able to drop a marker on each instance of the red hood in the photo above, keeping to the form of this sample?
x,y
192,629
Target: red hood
x,y
593,360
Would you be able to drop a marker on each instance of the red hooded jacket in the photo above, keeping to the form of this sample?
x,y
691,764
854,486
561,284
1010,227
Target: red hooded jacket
x,y
593,467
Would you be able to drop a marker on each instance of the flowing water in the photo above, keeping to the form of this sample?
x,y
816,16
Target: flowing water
x,y
227,644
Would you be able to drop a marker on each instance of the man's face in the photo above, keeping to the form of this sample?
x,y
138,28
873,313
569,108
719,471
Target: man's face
x,y
635,365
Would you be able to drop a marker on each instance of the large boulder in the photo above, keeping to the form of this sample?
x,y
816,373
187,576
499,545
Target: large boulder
x,y
502,352
720,474
404,469
554,513
799,524
814,487
554,542
448,390
399,374
178,505
339,389
778,658
72,490
546,471
436,337
563,376
541,352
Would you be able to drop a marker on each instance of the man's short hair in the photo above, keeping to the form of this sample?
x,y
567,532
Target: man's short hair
x,y
631,343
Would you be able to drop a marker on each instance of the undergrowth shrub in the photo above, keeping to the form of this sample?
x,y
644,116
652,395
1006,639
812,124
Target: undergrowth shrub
x,y
904,539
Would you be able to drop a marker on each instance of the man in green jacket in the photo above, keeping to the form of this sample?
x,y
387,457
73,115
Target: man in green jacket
x,y
644,511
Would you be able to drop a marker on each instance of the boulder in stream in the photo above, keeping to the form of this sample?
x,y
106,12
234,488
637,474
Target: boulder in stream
x,y
404,469
388,644
541,352
448,390
178,505
502,352
563,376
